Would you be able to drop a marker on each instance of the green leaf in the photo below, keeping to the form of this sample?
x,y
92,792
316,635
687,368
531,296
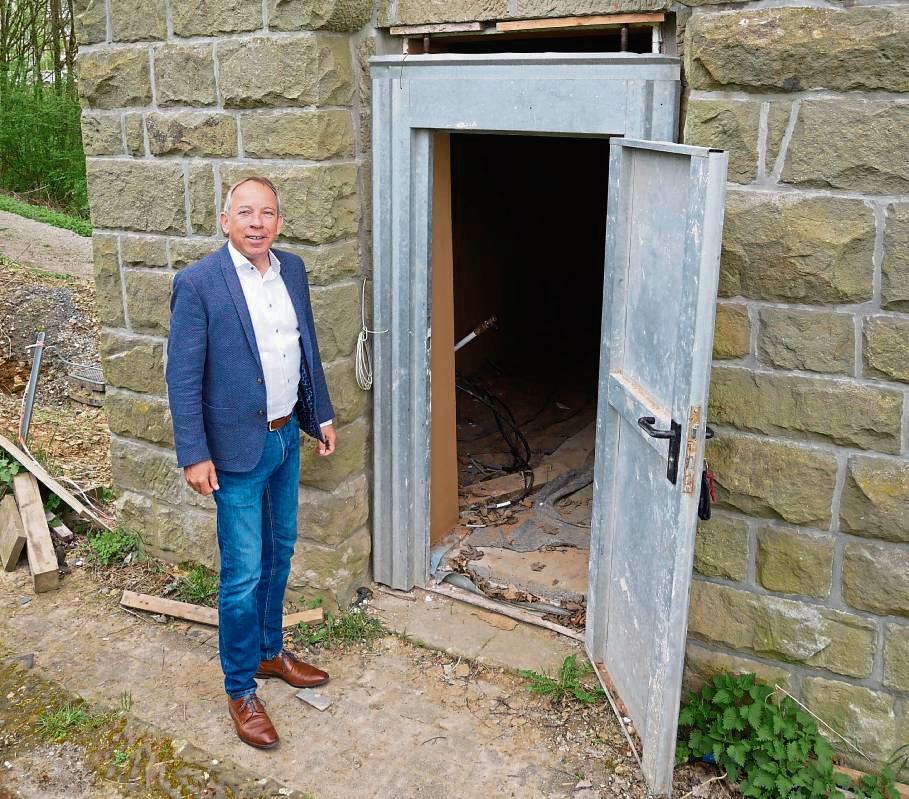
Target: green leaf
x,y
731,719
722,697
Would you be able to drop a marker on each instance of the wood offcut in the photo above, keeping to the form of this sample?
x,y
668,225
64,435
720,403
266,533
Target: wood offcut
x,y
42,560
12,533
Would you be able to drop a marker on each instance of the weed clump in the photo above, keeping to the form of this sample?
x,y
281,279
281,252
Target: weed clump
x,y
353,626
199,585
571,684
109,546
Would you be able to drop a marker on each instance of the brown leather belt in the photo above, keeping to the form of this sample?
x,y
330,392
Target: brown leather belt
x,y
277,424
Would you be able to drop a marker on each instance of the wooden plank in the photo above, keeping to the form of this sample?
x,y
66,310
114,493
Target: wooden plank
x,y
469,598
42,560
311,617
59,529
603,20
443,481
170,607
855,775
12,533
440,27
39,472
201,614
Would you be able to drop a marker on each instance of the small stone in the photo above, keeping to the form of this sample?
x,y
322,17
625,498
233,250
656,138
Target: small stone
x,y
24,600
795,563
876,579
885,349
732,333
462,670
721,548
318,700
875,499
160,618
807,340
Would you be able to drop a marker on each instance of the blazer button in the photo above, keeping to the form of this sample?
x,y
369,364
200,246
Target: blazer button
x,y
259,380
261,413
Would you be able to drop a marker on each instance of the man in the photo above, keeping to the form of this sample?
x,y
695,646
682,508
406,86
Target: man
x,y
243,376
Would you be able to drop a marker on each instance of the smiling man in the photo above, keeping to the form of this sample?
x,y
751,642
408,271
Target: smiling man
x,y
243,377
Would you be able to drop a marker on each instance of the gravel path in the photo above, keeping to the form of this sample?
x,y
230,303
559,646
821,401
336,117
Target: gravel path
x,y
45,247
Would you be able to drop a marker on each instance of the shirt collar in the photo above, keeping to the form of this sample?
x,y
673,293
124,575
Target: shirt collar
x,y
240,260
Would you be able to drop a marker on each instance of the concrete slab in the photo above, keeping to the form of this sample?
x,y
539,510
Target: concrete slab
x,y
460,629
557,573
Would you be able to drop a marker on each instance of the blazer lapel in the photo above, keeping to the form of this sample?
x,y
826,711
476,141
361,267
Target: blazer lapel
x,y
292,283
236,293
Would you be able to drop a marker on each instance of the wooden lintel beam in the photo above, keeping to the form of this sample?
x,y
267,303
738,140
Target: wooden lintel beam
x,y
601,21
441,27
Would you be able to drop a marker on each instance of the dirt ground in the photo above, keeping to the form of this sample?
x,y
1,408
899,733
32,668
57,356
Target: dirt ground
x,y
44,247
406,719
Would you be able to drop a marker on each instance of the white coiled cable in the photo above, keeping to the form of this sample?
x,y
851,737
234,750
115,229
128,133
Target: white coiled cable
x,y
364,359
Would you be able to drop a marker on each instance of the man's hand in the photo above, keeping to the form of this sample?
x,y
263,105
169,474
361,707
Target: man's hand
x,y
331,440
201,477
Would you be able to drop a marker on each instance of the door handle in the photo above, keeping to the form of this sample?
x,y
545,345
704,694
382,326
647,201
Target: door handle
x,y
674,435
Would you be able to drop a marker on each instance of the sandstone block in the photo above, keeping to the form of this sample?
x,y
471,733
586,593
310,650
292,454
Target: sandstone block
x,y
418,12
807,341
327,264
114,78
90,21
875,501
365,50
133,362
314,135
876,578
732,332
841,412
777,122
191,133
333,573
782,629
312,69
728,125
795,563
853,145
208,17
135,134
168,532
137,20
320,203
202,215
143,251
560,8
185,75
863,716
332,15
895,268
349,458
144,417
102,134
329,517
721,548
797,249
793,49
886,350
896,657
148,301
702,665
184,252
348,398
153,471
107,280
121,196
773,479
336,310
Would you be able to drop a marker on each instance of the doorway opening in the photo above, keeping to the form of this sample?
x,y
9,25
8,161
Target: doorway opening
x,y
521,252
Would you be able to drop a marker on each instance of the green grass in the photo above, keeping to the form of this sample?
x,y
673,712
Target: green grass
x,y
109,546
351,627
42,214
199,586
572,684
57,725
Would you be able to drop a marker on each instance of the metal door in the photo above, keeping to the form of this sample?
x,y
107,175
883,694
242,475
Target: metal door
x,y
664,227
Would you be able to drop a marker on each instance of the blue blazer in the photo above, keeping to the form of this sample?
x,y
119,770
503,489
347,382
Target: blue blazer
x,y
215,381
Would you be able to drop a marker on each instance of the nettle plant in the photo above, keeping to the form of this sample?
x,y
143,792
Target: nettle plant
x,y
771,748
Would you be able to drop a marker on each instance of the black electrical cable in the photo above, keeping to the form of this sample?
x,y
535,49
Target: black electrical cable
x,y
509,429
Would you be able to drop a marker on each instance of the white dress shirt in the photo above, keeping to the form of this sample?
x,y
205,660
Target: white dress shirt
x,y
277,331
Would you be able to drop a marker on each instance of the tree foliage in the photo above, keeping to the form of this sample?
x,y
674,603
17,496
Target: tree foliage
x,y
41,155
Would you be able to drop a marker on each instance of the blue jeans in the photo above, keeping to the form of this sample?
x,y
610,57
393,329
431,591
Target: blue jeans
x,y
257,529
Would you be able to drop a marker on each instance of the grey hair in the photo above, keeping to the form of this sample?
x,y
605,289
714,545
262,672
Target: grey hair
x,y
262,181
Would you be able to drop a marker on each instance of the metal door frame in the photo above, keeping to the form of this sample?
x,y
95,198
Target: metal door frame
x,y
576,94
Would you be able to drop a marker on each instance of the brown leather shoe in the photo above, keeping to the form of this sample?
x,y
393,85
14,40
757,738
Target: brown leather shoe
x,y
294,672
252,723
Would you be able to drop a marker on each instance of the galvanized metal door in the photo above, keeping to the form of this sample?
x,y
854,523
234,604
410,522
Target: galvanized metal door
x,y
664,226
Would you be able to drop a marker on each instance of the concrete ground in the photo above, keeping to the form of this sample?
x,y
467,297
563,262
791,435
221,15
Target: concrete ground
x,y
405,721
44,247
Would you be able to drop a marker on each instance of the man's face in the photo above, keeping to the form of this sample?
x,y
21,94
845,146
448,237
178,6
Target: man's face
x,y
253,221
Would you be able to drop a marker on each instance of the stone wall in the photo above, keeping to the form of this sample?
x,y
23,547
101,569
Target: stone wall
x,y
181,98
804,572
